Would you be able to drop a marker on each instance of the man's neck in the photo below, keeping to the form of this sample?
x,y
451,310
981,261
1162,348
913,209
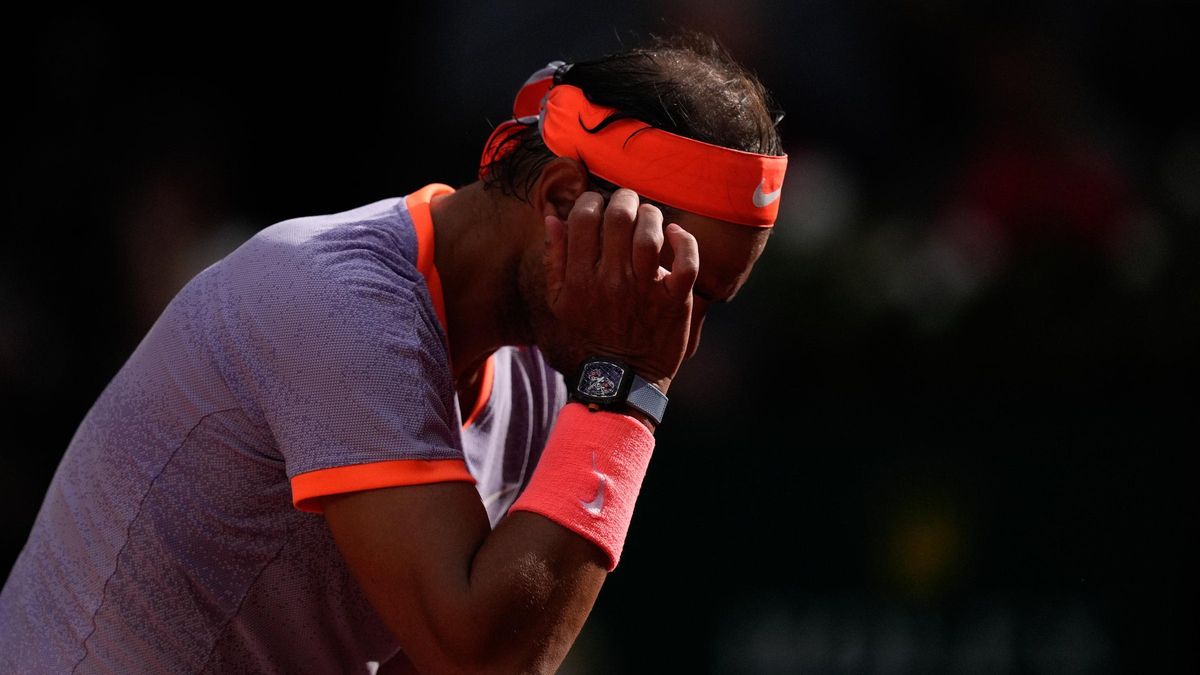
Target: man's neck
x,y
477,251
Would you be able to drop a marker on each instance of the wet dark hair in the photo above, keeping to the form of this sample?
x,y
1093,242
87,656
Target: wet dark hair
x,y
686,83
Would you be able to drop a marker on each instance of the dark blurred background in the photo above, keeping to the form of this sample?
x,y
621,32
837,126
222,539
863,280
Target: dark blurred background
x,y
944,427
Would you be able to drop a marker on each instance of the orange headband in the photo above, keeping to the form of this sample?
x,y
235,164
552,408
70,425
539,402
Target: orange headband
x,y
709,180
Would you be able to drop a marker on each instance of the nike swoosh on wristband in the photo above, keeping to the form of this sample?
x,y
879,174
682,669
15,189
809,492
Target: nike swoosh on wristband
x,y
762,199
595,506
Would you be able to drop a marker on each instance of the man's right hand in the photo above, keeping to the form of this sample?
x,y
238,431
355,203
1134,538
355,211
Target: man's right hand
x,y
605,283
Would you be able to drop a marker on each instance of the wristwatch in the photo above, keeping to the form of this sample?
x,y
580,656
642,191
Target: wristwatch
x,y
610,384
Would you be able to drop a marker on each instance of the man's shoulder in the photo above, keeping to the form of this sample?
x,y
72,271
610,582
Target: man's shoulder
x,y
324,275
371,243
382,227
333,299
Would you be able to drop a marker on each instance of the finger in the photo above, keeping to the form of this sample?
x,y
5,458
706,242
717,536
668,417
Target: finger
x,y
555,257
619,218
647,243
685,265
583,234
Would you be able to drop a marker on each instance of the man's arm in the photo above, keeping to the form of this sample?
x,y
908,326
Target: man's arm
x,y
461,597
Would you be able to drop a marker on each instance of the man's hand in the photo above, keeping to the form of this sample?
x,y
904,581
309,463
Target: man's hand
x,y
604,282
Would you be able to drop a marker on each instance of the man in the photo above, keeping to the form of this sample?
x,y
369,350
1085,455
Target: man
x,y
348,443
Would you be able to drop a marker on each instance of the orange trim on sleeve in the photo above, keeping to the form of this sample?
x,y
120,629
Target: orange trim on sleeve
x,y
307,488
418,208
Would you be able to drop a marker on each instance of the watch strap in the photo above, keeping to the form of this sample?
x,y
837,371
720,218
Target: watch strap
x,y
646,397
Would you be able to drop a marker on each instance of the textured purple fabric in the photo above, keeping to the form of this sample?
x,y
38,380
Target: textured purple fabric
x,y
167,541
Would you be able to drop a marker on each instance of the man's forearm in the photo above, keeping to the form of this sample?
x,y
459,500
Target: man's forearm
x,y
533,582
461,597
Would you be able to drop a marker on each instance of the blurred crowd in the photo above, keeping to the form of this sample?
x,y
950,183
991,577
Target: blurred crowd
x,y
942,429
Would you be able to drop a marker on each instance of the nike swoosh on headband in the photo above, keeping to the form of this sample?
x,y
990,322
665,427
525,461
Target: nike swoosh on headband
x,y
762,199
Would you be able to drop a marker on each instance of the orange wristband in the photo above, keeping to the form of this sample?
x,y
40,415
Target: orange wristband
x,y
589,475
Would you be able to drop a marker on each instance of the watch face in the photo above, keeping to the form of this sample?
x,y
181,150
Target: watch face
x,y
600,379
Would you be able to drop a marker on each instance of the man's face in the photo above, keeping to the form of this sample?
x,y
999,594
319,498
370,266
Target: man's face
x,y
727,255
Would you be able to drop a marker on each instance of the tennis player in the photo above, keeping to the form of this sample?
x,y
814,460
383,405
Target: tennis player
x,y
347,446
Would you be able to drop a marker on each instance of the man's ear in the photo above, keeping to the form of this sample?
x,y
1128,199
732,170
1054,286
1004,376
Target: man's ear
x,y
562,181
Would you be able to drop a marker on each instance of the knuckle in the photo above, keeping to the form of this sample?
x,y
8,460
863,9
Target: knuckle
x,y
588,203
619,214
647,210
